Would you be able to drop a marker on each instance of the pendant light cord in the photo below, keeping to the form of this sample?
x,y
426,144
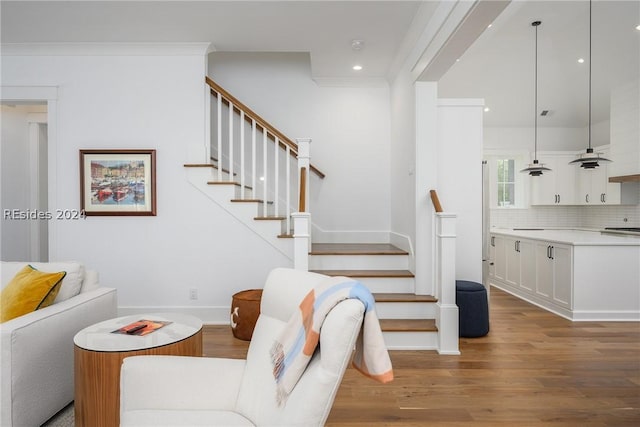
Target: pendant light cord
x,y
535,97
589,74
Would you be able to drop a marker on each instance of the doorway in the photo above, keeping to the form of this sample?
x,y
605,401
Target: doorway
x,y
24,185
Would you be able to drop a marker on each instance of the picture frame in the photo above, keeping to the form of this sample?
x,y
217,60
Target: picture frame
x,y
118,182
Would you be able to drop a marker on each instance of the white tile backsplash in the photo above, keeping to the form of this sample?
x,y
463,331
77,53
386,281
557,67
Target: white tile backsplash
x,y
567,216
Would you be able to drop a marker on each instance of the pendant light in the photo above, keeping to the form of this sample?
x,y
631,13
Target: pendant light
x,y
589,159
536,168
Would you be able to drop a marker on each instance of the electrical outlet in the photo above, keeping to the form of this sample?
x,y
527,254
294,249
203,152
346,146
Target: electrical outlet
x,y
193,293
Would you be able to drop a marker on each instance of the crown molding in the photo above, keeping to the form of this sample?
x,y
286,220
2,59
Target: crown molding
x,y
106,49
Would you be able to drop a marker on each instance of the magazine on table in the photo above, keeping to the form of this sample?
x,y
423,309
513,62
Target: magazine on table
x,y
141,327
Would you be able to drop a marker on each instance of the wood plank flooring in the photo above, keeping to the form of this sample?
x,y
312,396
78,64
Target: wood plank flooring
x,y
534,368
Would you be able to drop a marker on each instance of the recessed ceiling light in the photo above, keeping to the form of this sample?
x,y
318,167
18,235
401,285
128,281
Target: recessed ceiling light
x,y
638,27
487,109
490,25
357,67
581,60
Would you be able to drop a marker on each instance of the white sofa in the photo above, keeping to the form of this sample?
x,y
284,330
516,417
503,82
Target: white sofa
x,y
199,391
37,348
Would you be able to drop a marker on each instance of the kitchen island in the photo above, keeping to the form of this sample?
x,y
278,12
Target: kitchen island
x,y
575,273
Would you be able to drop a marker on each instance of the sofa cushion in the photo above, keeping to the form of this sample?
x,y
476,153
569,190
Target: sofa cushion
x,y
28,291
71,284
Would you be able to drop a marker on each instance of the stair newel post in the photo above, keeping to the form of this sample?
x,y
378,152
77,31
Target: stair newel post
x,y
301,240
447,310
302,218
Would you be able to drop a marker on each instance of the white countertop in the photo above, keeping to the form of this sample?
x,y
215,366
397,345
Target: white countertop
x,y
576,237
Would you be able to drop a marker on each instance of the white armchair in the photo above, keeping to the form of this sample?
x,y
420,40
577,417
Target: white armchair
x,y
187,391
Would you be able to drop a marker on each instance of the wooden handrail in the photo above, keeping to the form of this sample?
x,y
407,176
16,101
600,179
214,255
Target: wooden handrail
x,y
259,120
435,200
302,204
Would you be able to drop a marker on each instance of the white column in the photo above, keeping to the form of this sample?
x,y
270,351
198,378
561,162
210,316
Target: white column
x,y
301,239
447,310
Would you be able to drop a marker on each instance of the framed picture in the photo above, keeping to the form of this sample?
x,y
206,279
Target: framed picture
x,y
118,182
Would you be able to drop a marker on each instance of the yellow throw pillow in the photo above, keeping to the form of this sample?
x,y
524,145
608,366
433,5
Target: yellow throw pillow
x,y
28,291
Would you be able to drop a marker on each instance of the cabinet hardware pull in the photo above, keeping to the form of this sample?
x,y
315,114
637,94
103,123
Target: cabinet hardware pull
x,y
551,252
586,198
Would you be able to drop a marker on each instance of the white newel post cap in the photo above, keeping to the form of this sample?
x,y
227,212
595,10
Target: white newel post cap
x,y
303,147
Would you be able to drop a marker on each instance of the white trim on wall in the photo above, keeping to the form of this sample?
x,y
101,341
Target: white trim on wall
x,y
106,49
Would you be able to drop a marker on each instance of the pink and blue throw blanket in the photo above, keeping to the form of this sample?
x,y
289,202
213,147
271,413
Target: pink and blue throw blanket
x,y
292,352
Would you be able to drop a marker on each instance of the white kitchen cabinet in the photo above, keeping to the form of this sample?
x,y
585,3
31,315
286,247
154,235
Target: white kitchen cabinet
x,y
520,268
527,265
577,274
553,267
557,186
593,186
498,248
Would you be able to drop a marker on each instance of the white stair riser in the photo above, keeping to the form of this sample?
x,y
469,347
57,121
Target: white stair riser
x,y
359,262
400,285
406,310
411,340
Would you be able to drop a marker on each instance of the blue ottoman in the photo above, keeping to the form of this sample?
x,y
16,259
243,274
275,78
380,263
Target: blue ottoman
x,y
473,309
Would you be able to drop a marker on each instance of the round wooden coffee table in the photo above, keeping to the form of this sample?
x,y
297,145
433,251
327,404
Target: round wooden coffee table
x,y
99,352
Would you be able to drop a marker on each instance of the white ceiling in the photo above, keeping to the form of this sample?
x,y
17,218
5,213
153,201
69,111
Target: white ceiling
x,y
326,29
497,67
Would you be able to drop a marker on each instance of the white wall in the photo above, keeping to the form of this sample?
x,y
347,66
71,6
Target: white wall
x,y
460,179
349,126
549,139
402,157
150,100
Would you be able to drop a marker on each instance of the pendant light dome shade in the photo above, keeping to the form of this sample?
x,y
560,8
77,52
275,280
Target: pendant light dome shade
x,y
589,159
536,168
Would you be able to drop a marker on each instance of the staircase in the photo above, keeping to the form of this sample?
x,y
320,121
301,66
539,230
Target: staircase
x,y
407,319
249,176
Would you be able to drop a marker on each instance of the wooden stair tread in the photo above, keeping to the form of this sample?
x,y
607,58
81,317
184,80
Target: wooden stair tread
x,y
388,297
250,201
408,325
270,218
285,236
198,165
228,183
366,273
355,249
205,165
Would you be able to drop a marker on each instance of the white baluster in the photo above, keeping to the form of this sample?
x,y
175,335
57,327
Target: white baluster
x,y
264,171
276,152
219,141
287,211
230,141
241,154
253,158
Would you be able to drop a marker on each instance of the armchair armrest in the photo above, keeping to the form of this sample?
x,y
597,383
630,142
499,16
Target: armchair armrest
x,y
179,383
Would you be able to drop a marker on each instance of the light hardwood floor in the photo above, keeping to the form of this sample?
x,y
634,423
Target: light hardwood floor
x,y
533,368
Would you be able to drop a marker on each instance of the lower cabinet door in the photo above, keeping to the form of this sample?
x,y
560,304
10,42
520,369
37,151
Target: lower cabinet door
x,y
527,266
562,275
544,270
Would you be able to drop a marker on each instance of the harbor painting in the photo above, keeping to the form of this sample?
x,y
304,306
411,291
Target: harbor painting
x,y
118,182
